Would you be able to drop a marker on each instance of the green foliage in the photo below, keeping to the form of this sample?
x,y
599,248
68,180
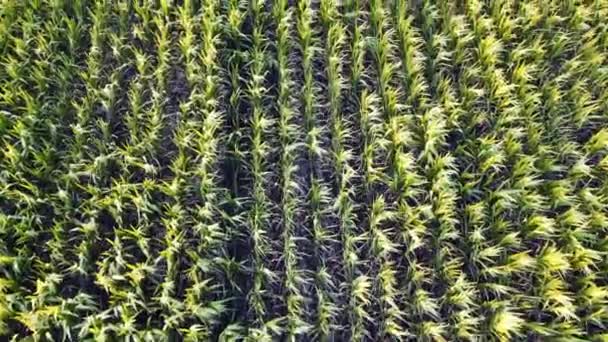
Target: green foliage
x,y
233,170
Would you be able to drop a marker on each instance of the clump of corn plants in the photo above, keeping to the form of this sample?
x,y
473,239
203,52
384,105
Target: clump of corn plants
x,y
317,170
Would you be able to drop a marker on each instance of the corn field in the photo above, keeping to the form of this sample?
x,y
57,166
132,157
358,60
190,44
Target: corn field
x,y
310,170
